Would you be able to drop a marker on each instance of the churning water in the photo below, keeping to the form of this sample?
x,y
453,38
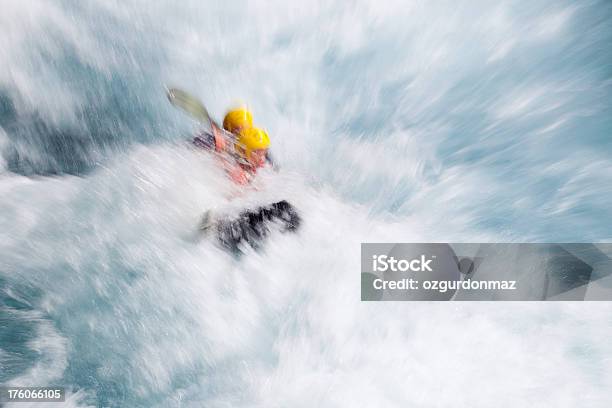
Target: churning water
x,y
416,121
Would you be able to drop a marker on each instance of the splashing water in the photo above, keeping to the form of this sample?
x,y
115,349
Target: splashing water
x,y
420,121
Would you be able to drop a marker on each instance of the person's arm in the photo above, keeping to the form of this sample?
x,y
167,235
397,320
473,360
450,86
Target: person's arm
x,y
215,139
204,140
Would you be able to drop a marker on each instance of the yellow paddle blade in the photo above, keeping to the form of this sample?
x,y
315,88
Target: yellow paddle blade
x,y
189,104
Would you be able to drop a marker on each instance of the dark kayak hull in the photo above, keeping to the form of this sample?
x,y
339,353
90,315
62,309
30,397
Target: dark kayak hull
x,y
253,226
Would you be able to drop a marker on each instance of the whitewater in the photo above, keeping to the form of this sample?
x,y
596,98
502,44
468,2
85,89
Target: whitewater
x,y
421,121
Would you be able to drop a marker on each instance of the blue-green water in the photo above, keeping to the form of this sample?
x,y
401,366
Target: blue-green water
x,y
415,121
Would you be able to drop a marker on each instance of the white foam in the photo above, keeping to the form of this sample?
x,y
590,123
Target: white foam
x,y
284,325
118,257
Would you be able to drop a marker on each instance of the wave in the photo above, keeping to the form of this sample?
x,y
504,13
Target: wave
x,y
413,122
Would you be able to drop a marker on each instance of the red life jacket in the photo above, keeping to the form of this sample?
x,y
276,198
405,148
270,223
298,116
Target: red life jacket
x,y
217,142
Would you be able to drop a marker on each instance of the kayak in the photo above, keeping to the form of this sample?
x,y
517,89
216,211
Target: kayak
x,y
252,227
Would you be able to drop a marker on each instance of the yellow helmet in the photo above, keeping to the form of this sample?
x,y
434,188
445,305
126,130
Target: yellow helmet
x,y
237,118
250,139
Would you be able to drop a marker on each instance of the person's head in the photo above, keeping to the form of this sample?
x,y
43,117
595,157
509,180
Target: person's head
x,y
237,119
252,145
